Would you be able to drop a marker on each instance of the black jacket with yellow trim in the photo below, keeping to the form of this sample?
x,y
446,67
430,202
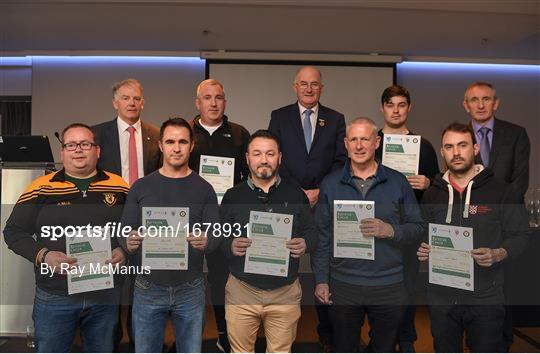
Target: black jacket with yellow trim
x,y
52,201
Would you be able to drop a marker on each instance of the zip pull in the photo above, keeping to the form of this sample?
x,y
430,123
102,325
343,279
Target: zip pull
x,y
84,193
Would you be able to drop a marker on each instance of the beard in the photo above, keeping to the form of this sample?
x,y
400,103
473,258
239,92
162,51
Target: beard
x,y
466,166
267,173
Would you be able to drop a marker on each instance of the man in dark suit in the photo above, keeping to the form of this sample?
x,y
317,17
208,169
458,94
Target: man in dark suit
x,y
311,137
129,147
504,148
506,145
310,151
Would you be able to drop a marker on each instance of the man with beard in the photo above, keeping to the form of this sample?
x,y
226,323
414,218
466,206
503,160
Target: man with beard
x,y
252,298
492,209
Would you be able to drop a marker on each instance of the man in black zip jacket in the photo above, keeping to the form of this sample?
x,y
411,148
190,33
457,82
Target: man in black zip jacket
x,y
468,195
215,135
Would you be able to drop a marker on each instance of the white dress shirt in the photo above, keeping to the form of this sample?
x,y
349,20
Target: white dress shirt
x,y
312,117
123,135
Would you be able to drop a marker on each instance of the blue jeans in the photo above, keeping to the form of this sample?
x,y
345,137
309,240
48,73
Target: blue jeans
x,y
56,318
152,303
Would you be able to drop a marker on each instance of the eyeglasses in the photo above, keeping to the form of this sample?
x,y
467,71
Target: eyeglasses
x,y
84,145
315,86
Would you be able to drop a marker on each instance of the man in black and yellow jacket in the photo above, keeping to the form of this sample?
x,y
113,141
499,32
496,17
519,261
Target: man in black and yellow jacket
x,y
76,196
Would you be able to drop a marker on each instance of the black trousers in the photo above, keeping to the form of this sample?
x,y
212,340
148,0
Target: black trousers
x,y
218,272
383,305
483,325
411,267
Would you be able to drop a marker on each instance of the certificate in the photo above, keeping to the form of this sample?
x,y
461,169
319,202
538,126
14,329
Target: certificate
x,y
349,242
165,246
91,272
219,172
450,260
402,153
268,253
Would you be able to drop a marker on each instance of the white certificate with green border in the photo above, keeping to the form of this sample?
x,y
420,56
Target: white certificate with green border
x,y
349,242
91,272
402,153
450,260
268,253
165,246
219,172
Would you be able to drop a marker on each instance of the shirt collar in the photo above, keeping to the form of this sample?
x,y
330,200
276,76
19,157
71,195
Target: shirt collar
x,y
315,109
253,186
476,126
122,125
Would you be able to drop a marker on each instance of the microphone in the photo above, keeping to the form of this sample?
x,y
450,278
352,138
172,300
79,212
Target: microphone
x,y
58,137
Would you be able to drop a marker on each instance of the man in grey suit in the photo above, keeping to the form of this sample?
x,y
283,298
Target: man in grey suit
x,y
505,148
129,147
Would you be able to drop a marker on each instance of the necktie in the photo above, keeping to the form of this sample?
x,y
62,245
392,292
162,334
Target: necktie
x,y
132,153
484,145
307,128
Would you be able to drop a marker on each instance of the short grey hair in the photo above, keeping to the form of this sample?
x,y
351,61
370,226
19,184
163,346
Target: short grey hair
x,y
363,120
209,82
127,82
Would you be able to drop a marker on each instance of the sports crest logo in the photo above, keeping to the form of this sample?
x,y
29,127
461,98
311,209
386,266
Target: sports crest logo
x,y
473,209
109,199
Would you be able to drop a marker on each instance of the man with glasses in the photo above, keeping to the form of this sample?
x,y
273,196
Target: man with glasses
x,y
78,195
252,299
311,137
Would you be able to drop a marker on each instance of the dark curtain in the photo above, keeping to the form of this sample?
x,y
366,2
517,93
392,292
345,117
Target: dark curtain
x,y
16,115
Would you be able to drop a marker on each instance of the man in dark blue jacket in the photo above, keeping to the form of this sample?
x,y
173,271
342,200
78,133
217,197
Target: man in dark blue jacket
x,y
311,137
357,287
